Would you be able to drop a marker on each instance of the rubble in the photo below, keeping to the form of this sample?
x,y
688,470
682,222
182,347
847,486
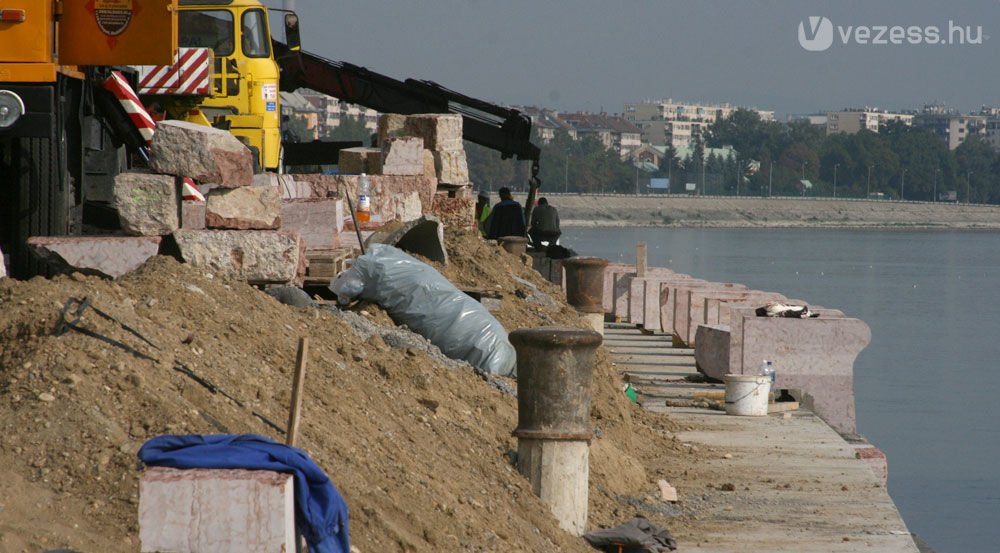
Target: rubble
x,y
146,203
206,154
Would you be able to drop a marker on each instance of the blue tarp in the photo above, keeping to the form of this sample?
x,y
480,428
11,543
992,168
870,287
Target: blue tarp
x,y
320,511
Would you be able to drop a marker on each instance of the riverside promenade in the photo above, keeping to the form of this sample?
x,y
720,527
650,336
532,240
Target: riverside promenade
x,y
786,482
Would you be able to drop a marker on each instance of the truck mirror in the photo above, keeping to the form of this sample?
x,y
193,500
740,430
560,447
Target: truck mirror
x,y
292,32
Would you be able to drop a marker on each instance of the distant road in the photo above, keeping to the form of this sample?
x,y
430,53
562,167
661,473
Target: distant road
x,y
614,210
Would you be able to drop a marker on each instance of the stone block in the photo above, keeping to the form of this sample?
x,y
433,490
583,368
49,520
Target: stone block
x,y
392,195
203,153
403,156
451,167
255,256
107,256
249,207
360,160
147,204
455,212
423,236
193,215
440,131
3,264
292,189
430,170
391,125
319,221
216,511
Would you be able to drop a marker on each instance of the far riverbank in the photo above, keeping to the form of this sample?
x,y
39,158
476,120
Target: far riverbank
x,y
597,210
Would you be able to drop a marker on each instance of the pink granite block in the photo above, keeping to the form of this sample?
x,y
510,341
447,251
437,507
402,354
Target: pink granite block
x,y
110,256
318,221
216,511
698,305
682,304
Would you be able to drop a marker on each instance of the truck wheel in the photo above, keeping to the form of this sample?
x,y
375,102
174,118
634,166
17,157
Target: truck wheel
x,y
36,178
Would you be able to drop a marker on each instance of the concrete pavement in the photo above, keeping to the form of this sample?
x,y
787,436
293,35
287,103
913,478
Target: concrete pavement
x,y
782,483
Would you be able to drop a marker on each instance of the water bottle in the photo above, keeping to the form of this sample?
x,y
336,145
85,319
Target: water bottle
x,y
767,369
363,213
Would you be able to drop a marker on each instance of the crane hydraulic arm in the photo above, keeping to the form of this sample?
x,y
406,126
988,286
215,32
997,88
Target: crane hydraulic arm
x,y
505,130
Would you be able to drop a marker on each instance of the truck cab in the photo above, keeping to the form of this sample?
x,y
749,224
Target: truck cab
x,y
244,82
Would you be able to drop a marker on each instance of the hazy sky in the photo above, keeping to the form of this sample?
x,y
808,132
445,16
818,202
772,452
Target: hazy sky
x,y
593,55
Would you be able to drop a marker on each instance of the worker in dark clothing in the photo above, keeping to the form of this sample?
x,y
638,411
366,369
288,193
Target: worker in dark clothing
x,y
544,224
506,218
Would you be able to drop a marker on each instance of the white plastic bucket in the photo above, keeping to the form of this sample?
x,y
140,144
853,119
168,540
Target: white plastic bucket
x,y
747,395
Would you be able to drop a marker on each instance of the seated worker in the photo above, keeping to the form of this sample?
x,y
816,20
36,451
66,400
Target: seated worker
x,y
544,224
482,211
506,218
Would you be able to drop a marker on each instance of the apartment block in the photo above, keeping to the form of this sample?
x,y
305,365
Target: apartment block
x,y
851,121
679,124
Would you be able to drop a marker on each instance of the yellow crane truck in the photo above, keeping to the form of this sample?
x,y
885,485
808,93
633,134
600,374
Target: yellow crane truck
x,y
63,137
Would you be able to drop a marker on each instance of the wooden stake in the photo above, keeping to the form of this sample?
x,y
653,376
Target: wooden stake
x,y
297,381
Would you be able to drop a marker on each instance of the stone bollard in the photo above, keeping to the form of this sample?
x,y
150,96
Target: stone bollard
x,y
585,288
516,245
554,372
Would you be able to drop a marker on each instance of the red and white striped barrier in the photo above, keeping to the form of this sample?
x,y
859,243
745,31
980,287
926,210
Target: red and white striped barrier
x,y
122,91
190,74
189,191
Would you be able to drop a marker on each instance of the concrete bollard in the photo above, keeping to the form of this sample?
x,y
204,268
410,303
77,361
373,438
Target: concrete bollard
x,y
554,373
585,289
516,245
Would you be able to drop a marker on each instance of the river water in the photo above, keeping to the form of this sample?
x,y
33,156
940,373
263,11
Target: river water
x,y
927,388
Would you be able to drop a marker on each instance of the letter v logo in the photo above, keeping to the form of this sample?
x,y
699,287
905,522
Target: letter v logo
x,y
817,34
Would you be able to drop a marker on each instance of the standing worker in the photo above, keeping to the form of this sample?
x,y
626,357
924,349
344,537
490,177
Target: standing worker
x,y
507,217
544,225
482,211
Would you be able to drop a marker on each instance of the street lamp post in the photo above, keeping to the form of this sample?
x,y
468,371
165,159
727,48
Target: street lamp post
x,y
737,176
566,176
936,171
770,177
803,184
868,188
968,180
902,182
835,165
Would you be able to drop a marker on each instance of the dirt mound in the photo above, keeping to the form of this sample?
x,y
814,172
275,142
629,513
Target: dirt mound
x,y
419,449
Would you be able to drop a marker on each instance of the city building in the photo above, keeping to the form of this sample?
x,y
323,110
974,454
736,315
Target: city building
x,y
952,127
323,113
851,121
614,132
678,123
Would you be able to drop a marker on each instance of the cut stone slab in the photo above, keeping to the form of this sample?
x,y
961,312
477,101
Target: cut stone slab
x,y
3,265
440,131
423,236
360,160
147,203
451,167
249,207
216,511
106,256
292,189
193,215
255,256
203,153
403,156
318,221
384,189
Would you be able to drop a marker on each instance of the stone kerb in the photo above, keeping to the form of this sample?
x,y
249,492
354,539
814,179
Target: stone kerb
x,y
610,273
630,293
698,305
815,356
679,298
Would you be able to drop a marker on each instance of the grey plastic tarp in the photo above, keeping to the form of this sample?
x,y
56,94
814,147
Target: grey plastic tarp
x,y
418,296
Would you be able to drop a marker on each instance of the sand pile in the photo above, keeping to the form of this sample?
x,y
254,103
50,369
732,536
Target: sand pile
x,y
420,449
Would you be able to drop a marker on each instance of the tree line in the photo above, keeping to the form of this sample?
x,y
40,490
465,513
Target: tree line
x,y
771,158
